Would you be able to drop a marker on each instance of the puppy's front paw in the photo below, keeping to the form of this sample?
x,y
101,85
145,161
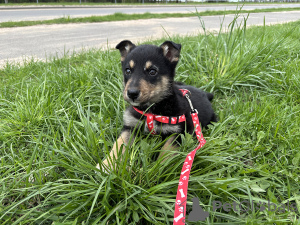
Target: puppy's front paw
x,y
104,167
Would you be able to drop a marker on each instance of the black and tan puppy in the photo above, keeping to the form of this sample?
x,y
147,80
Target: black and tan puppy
x,y
149,86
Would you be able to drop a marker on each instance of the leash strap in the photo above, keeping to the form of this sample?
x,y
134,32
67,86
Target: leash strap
x,y
181,197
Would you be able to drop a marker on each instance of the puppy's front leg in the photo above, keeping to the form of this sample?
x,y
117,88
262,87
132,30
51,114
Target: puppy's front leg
x,y
170,145
113,156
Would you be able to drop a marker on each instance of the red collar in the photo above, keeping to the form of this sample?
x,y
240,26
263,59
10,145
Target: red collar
x,y
162,119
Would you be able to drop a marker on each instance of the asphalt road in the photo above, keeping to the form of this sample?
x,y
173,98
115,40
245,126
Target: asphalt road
x,y
44,13
41,42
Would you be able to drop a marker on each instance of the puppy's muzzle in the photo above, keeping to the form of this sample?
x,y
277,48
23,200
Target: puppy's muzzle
x,y
133,94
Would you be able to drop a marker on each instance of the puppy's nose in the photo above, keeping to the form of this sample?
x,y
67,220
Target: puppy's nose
x,y
133,94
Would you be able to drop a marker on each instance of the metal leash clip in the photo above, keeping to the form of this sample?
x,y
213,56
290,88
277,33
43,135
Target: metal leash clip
x,y
190,102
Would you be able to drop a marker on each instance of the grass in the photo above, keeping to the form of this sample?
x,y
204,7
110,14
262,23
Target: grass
x,y
122,16
59,118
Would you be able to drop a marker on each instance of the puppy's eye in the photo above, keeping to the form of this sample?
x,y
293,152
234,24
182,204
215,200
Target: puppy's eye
x,y
152,72
127,71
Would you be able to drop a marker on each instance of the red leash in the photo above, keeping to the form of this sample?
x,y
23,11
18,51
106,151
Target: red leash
x,y
181,197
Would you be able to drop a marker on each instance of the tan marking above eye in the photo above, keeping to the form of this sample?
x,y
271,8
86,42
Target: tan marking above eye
x,y
148,64
131,63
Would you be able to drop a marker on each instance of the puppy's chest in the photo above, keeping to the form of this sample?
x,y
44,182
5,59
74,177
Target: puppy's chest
x,y
159,128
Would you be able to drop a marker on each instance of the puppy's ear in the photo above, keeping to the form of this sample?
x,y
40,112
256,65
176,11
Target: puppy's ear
x,y
125,47
171,51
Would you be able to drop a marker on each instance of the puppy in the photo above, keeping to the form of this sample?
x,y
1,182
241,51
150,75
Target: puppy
x,y
149,87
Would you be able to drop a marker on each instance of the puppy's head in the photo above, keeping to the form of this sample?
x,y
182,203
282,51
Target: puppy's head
x,y
148,71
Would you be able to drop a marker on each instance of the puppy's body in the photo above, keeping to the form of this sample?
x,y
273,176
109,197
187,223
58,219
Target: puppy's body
x,y
149,86
172,106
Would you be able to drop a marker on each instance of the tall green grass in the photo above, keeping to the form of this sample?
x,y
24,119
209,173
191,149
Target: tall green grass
x,y
59,118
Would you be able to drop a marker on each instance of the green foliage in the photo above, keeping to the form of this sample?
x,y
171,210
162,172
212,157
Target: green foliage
x,y
59,118
122,17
